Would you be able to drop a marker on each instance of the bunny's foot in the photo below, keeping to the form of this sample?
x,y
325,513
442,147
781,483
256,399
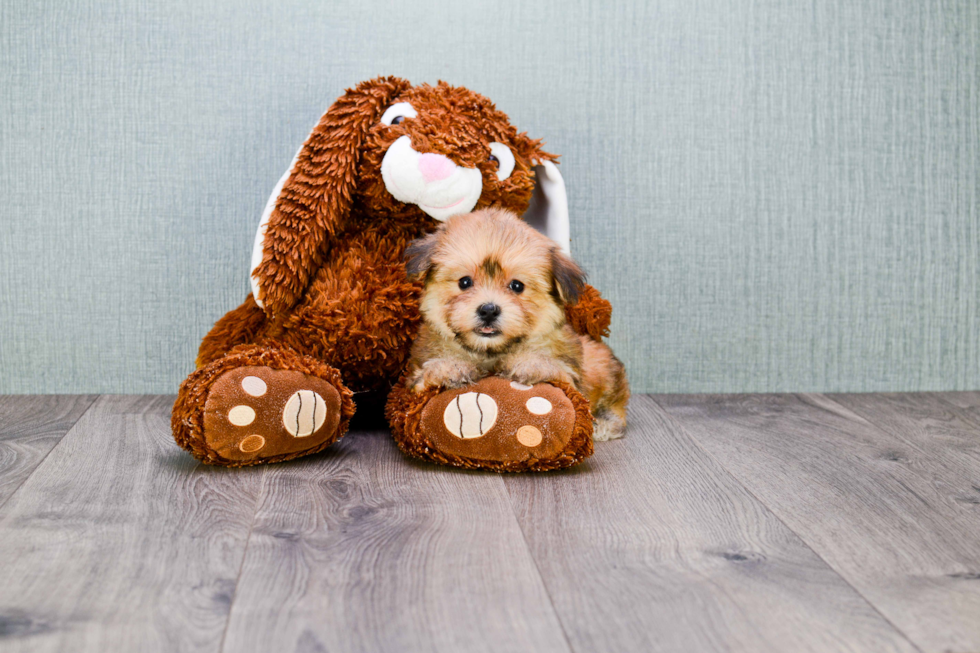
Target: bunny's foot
x,y
493,424
260,405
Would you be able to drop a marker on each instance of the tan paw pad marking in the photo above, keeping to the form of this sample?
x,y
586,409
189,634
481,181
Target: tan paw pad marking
x,y
538,405
241,415
251,443
304,413
520,386
254,386
529,436
470,415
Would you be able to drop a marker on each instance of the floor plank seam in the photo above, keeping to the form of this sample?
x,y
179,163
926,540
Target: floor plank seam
x,y
895,437
95,400
776,516
888,432
241,564
537,570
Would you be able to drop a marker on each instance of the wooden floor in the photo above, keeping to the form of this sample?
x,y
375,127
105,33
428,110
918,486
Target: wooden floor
x,y
720,523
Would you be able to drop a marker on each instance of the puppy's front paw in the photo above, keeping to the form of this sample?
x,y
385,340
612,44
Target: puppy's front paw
x,y
530,370
446,373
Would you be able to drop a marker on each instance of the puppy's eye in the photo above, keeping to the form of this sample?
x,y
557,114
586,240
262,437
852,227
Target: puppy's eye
x,y
397,112
465,283
504,158
516,286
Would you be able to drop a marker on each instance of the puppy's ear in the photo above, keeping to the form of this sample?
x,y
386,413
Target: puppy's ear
x,y
568,277
313,198
418,255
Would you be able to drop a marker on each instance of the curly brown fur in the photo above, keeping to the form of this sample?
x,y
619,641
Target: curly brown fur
x,y
494,303
238,326
591,314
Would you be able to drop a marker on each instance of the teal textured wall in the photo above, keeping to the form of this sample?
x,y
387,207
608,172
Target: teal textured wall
x,y
775,195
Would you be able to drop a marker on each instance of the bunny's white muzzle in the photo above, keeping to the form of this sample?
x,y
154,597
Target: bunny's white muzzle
x,y
430,181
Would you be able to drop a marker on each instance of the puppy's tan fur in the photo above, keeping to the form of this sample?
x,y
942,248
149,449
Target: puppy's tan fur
x,y
529,341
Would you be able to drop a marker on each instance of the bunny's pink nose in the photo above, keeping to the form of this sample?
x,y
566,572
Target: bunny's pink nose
x,y
435,167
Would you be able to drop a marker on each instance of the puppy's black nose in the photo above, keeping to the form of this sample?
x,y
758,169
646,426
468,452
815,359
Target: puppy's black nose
x,y
488,312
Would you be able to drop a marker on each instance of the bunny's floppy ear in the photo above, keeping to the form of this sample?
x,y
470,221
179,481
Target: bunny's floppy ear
x,y
548,212
313,198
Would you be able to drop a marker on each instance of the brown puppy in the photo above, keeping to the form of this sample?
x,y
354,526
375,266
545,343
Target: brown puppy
x,y
494,303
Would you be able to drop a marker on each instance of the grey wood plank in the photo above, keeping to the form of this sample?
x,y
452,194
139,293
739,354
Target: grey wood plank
x,y
967,403
933,428
361,549
878,508
119,541
30,426
653,546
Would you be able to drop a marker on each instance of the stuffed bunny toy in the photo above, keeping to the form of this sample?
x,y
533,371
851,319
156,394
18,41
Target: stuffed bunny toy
x,y
333,314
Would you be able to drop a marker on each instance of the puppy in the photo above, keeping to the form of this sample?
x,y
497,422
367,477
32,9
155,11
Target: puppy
x,y
494,303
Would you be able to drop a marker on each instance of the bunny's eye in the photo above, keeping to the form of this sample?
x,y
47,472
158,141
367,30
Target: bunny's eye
x,y
504,158
397,112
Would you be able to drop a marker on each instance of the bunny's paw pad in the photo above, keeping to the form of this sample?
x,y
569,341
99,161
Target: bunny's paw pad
x,y
254,413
